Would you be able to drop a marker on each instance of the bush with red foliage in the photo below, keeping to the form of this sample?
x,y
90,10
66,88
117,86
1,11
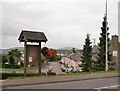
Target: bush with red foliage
x,y
46,52
49,54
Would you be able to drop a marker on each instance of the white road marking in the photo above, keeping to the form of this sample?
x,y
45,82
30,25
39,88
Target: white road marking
x,y
107,87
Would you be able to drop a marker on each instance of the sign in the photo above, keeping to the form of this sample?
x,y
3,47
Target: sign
x,y
115,53
30,59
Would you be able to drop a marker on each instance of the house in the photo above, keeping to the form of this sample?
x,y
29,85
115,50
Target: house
x,y
113,49
17,60
72,61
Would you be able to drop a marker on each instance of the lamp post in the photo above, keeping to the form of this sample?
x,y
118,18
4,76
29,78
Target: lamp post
x,y
106,61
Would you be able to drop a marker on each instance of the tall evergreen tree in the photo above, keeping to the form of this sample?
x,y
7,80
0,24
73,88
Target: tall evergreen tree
x,y
86,57
11,60
101,57
14,53
4,59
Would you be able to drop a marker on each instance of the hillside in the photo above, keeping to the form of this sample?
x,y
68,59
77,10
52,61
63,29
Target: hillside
x,y
4,51
67,48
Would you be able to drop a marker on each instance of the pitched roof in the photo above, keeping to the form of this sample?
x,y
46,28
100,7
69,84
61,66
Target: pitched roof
x,y
75,56
95,49
32,36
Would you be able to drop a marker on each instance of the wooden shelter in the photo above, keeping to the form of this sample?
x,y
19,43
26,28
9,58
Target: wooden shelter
x,y
32,53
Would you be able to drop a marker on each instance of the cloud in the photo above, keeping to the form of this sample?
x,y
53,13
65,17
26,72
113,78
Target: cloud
x,y
65,22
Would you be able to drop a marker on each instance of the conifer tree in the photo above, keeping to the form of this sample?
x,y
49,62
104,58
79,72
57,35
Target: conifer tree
x,y
101,57
4,59
86,57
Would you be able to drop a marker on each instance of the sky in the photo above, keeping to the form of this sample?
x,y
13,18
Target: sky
x,y
64,22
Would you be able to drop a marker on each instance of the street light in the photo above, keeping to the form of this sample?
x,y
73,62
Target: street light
x,y
106,62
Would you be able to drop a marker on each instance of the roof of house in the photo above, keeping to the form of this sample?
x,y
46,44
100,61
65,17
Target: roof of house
x,y
32,36
95,49
75,56
16,59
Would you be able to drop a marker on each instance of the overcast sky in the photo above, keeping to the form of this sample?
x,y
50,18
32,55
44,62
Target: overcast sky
x,y
64,22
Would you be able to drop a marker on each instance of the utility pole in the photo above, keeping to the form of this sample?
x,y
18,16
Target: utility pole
x,y
106,68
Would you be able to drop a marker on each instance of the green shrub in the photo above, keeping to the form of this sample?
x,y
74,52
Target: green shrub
x,y
0,65
16,66
11,60
43,73
51,73
58,58
6,75
6,66
21,64
34,74
32,65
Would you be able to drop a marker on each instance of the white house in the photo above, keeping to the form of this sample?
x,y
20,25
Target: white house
x,y
73,61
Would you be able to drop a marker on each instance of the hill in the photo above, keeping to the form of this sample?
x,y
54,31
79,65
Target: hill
x,y
4,51
67,48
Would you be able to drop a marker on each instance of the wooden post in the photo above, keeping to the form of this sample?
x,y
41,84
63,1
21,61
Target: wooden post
x,y
39,61
25,58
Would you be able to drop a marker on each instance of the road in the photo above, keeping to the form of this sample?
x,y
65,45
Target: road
x,y
54,65
104,83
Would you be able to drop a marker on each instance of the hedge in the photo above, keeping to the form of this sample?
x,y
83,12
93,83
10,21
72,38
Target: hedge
x,y
16,66
51,73
11,66
7,75
6,66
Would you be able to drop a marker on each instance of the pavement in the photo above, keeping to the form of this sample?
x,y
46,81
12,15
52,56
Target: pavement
x,y
54,79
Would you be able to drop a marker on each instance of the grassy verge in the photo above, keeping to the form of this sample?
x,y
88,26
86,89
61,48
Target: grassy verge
x,y
21,75
8,69
84,73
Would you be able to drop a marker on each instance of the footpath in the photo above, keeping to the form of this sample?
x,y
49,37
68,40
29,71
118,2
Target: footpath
x,y
54,79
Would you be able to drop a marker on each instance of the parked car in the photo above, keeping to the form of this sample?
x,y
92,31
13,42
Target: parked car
x,y
75,71
63,69
68,70
71,70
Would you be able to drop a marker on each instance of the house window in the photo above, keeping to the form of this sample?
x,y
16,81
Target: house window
x,y
115,53
30,59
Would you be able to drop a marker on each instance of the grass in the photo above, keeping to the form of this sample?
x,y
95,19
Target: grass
x,y
70,74
8,69
84,73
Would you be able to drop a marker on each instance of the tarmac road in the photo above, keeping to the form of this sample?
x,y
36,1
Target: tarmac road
x,y
103,83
